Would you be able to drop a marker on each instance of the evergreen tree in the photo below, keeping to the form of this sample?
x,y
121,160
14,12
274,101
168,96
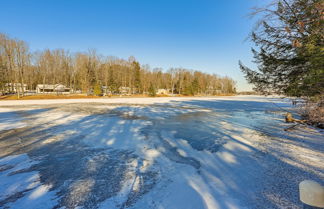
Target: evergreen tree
x,y
137,77
187,86
97,90
111,83
152,91
195,86
290,58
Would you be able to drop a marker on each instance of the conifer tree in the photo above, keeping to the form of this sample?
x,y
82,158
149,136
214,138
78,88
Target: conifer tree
x,y
151,91
290,58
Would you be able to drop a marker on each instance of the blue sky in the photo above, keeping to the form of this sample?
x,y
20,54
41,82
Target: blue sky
x,y
206,35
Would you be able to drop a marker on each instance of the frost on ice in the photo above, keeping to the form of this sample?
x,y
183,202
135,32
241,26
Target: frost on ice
x,y
225,152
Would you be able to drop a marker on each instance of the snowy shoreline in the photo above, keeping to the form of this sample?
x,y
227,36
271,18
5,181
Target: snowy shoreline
x,y
135,100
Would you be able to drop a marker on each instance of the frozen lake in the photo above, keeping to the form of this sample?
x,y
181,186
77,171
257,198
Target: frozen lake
x,y
147,153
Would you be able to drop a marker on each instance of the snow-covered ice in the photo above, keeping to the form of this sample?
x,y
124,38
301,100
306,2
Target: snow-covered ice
x,y
9,120
181,153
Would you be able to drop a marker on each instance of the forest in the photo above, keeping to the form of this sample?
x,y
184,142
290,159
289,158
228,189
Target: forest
x,y
87,72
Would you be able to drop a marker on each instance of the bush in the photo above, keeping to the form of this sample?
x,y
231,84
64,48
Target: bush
x,y
313,112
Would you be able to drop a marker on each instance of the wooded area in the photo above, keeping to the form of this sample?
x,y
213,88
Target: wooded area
x,y
91,73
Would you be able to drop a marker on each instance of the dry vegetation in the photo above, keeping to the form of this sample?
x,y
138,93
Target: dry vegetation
x,y
313,112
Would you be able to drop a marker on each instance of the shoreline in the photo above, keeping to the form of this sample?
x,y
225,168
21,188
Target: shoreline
x,y
123,100
50,97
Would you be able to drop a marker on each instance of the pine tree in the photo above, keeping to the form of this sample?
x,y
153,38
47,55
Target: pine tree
x,y
290,58
97,90
195,86
152,91
111,82
137,77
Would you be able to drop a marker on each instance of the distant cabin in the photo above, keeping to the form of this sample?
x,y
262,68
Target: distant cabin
x,y
163,91
106,91
124,90
52,89
15,87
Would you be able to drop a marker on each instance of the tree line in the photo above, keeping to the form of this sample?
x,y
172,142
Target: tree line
x,y
89,71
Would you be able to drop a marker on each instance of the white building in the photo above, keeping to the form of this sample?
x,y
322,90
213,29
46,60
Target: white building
x,y
106,91
52,89
124,90
15,87
163,91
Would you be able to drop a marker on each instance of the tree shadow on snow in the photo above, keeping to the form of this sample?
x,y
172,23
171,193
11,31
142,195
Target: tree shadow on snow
x,y
82,166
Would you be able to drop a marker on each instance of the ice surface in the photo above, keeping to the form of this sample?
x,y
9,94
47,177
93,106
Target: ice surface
x,y
192,152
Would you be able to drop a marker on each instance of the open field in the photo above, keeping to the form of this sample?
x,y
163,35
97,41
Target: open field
x,y
154,153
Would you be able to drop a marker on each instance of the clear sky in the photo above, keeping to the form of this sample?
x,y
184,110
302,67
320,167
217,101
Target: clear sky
x,y
206,35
